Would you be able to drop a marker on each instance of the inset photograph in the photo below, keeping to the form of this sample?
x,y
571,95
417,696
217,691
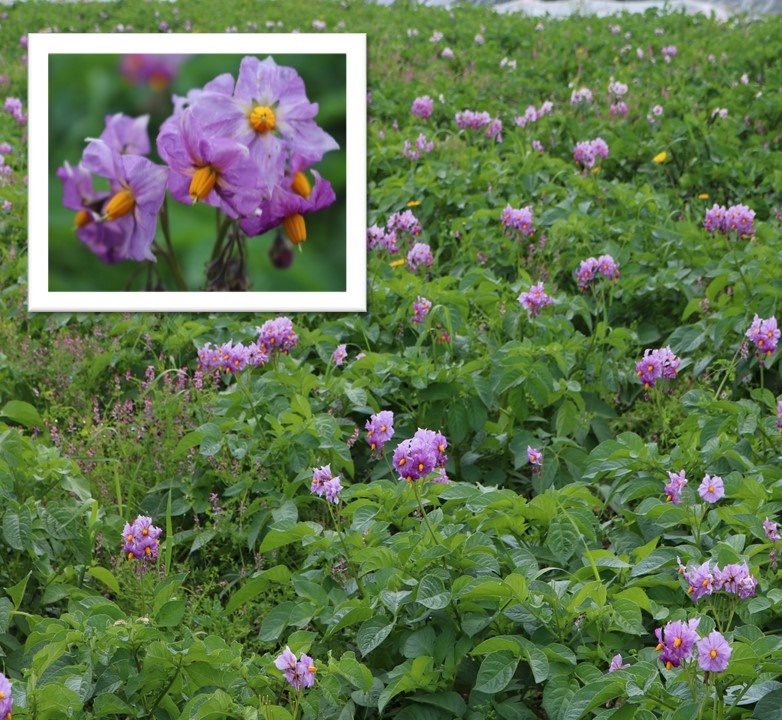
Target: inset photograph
x,y
199,181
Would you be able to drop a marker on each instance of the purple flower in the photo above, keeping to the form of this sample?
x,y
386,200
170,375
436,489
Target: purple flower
x,y
422,454
736,579
713,652
423,106
537,145
619,108
472,119
270,113
711,489
6,699
765,334
277,336
535,299
332,488
616,664
13,106
404,222
779,415
669,51
586,152
339,355
421,308
447,53
715,218
519,219
217,171
584,95
770,528
676,641
676,483
534,456
608,267
701,581
141,539
320,476
5,148
616,88
656,364
138,187
7,205
126,135
420,254
495,129
380,429
299,673
157,71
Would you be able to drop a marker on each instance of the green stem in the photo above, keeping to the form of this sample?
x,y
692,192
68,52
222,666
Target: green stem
x,y
727,373
417,494
341,534
166,688
171,254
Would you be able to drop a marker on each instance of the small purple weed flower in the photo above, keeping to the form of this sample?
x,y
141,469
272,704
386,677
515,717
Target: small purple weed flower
x,y
332,488
676,483
770,528
472,119
420,455
380,429
141,539
519,219
656,364
277,336
711,489
713,652
320,476
299,673
606,265
535,299
421,308
736,579
339,355
583,95
422,107
701,581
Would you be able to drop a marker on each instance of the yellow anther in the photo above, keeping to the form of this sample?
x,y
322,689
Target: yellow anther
x,y
121,204
301,185
262,118
82,218
203,181
295,228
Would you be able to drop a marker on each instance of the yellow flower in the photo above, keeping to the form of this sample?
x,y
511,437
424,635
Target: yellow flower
x,y
703,196
414,203
397,263
660,157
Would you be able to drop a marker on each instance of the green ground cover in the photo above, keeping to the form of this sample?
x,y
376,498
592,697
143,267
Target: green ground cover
x,y
509,591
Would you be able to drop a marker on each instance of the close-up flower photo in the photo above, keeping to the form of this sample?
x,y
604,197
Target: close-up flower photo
x,y
197,172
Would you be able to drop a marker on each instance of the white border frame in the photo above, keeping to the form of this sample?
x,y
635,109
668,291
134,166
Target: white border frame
x,y
353,45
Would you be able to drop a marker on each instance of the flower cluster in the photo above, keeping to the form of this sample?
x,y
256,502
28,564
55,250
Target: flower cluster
x,y
380,429
676,483
400,224
533,114
421,308
677,641
779,415
421,145
13,106
157,71
519,219
591,267
711,488
421,455
325,484
472,119
495,130
584,95
231,358
765,334
587,152
423,106
420,254
737,218
141,539
616,88
656,364
299,673
619,108
240,146
277,336
668,52
535,299
734,579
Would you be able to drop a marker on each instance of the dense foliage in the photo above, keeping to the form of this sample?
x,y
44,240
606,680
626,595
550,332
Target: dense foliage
x,y
593,354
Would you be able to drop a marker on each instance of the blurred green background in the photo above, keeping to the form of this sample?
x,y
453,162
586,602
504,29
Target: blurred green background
x,y
83,89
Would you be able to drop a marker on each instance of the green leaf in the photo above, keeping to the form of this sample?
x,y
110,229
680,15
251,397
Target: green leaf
x,y
277,538
562,539
110,704
276,621
356,673
279,574
627,616
22,413
432,593
591,695
16,592
496,672
171,613
203,538
106,577
372,633
18,528
769,707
